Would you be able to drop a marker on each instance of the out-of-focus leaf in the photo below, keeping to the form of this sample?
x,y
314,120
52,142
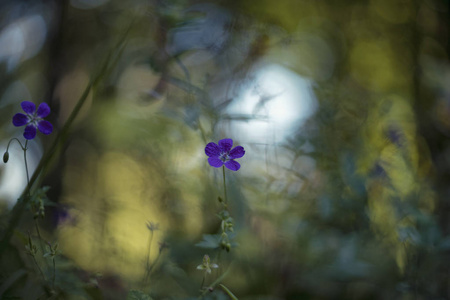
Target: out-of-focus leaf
x,y
138,295
209,241
409,234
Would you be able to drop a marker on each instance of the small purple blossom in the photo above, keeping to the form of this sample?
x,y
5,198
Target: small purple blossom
x,y
222,154
64,216
395,136
378,170
33,119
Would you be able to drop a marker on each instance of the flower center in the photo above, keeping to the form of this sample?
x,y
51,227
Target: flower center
x,y
224,156
33,119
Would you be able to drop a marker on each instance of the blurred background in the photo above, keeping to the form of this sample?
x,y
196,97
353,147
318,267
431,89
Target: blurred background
x,y
343,108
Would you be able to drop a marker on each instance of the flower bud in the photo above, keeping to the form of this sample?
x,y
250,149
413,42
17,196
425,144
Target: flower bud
x,y
6,157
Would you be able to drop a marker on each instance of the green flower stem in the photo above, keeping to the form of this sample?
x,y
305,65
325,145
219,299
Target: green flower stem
x,y
16,139
26,166
216,282
36,225
225,187
203,281
39,268
54,273
219,262
149,249
225,205
154,263
147,269
28,189
150,267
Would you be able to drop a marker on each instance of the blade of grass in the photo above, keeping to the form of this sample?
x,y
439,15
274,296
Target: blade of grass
x,y
229,293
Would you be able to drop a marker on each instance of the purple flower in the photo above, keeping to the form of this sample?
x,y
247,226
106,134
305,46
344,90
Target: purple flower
x,y
33,119
395,136
222,154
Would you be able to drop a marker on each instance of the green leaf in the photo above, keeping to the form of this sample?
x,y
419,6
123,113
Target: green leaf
x,y
209,241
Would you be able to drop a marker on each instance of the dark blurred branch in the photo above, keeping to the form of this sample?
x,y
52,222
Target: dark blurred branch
x,y
110,61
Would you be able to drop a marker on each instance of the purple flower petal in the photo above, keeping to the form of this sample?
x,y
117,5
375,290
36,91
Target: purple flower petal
x,y
45,127
43,110
20,119
215,162
212,150
237,152
28,107
30,132
226,144
232,165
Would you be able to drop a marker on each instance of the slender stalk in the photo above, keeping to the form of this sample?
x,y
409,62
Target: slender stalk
x,y
203,281
149,249
39,268
147,272
154,262
26,166
225,187
36,225
219,262
7,147
54,273
225,208
216,282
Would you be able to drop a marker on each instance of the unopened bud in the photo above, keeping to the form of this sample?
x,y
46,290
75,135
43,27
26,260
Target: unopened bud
x,y
6,157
